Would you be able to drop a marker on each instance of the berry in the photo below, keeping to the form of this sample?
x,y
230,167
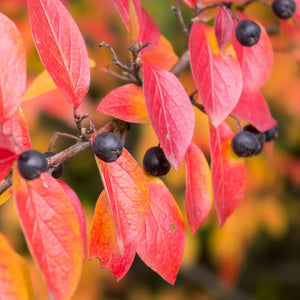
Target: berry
x,y
57,171
271,134
244,144
260,136
155,162
284,9
107,146
247,33
31,164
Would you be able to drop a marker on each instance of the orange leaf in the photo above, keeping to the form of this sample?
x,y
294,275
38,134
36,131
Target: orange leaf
x,y
161,242
52,231
134,28
6,195
229,174
198,187
126,103
162,55
15,282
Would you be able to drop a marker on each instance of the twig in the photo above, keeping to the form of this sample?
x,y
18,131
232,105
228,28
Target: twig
x,y
178,13
182,63
128,77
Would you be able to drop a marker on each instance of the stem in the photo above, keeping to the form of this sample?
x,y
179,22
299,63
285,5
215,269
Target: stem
x,y
182,63
178,13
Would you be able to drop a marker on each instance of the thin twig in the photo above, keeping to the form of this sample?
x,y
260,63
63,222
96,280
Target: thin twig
x,y
178,13
182,63
57,134
128,77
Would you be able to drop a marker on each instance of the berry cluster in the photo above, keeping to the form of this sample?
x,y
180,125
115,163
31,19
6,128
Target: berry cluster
x,y
250,141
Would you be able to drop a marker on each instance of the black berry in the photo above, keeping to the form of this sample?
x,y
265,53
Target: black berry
x,y
31,164
259,135
107,146
271,134
155,162
284,9
244,144
57,171
247,33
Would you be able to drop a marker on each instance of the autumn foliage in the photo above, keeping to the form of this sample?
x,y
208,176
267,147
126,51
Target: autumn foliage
x,y
135,213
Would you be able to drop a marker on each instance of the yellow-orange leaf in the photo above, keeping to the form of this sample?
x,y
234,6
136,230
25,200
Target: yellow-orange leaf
x,y
15,282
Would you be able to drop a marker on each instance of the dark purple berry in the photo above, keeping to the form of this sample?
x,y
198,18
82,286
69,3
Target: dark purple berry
x,y
244,144
155,162
284,9
31,164
259,135
107,146
57,171
247,33
271,134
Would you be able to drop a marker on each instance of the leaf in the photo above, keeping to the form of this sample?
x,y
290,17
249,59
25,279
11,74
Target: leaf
x,y
52,232
162,240
223,27
170,112
6,195
217,74
198,200
128,198
134,28
61,48
228,171
17,127
104,241
126,103
12,68
256,61
148,30
191,3
296,15
15,282
253,108
7,158
74,200
162,55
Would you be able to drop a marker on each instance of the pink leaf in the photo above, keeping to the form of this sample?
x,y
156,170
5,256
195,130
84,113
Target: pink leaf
x,y
223,27
217,74
74,200
61,48
52,231
198,187
256,61
7,158
170,112
229,174
104,240
253,108
12,69
162,240
126,103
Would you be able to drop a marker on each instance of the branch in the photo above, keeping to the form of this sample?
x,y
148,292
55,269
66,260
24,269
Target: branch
x,y
178,13
182,63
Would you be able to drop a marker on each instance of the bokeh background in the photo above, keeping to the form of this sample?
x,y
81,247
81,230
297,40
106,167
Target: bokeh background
x,y
256,255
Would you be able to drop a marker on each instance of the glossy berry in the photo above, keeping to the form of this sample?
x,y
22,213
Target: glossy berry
x,y
271,134
107,146
57,171
259,135
247,33
31,164
284,9
244,144
155,162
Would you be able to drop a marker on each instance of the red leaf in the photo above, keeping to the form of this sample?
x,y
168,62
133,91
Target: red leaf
x,y
12,69
61,48
104,241
253,108
129,202
217,74
256,61
162,240
198,187
7,159
148,30
14,280
296,15
223,27
126,103
191,3
229,174
170,112
74,200
52,232
17,127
